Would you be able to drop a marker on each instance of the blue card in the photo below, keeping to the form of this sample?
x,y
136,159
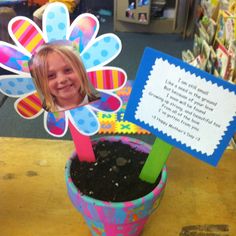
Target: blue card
x,y
184,106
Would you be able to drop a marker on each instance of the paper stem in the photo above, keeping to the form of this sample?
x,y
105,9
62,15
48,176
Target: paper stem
x,y
83,145
155,161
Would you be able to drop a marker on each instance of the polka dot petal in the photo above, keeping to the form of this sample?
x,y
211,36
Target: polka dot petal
x,y
16,85
56,22
84,120
103,50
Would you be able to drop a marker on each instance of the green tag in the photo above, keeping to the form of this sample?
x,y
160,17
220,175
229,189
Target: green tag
x,y
155,161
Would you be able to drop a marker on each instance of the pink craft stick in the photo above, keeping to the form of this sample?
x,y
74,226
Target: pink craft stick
x,y
83,145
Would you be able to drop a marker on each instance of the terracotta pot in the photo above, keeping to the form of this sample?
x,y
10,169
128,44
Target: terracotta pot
x,y
116,218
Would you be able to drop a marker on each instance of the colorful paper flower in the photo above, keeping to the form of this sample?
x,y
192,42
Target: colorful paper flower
x,y
95,53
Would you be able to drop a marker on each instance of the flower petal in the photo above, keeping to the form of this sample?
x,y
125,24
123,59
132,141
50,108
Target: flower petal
x,y
103,50
29,107
12,59
26,34
108,78
16,85
84,119
56,123
107,103
56,21
83,30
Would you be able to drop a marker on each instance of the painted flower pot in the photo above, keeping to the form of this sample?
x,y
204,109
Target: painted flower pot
x,y
116,218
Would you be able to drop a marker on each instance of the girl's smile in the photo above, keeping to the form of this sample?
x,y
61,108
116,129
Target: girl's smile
x,y
63,82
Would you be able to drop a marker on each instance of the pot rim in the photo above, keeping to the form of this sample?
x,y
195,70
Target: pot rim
x,y
156,191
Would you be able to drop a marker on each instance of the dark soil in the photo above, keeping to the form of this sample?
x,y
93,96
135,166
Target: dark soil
x,y
115,174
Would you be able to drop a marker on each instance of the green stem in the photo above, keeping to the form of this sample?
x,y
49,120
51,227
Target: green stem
x,y
155,161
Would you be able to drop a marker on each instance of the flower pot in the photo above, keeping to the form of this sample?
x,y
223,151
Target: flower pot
x,y
116,218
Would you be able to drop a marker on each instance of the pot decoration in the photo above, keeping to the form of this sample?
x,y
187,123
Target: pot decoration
x,y
116,218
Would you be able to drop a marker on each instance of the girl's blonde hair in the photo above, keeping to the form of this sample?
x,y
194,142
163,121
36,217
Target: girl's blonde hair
x,y
39,71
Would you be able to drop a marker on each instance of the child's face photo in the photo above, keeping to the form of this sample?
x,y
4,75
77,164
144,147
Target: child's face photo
x,y
129,14
63,82
143,17
60,78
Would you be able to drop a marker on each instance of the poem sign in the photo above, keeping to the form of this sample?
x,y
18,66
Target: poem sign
x,y
183,105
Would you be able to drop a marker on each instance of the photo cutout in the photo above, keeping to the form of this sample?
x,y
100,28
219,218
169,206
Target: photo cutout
x,y
132,4
142,17
143,3
60,77
129,14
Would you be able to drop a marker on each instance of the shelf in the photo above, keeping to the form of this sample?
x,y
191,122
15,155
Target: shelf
x,y
154,25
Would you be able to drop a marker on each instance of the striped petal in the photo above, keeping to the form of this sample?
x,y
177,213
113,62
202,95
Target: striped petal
x,y
107,103
83,30
84,119
108,78
16,85
56,22
102,51
26,34
12,59
55,123
29,107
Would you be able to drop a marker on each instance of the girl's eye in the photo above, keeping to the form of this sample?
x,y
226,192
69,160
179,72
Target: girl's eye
x,y
68,70
51,76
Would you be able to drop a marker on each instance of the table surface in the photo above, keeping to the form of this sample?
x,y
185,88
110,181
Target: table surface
x,y
34,202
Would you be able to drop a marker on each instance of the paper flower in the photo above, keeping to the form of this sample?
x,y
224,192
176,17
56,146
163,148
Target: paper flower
x,y
94,52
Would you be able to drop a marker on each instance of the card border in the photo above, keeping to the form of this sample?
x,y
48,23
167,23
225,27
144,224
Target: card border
x,y
145,67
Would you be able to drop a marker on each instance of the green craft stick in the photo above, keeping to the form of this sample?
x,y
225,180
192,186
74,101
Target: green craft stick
x,y
155,161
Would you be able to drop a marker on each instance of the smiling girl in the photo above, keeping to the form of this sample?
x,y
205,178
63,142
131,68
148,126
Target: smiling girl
x,y
60,78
